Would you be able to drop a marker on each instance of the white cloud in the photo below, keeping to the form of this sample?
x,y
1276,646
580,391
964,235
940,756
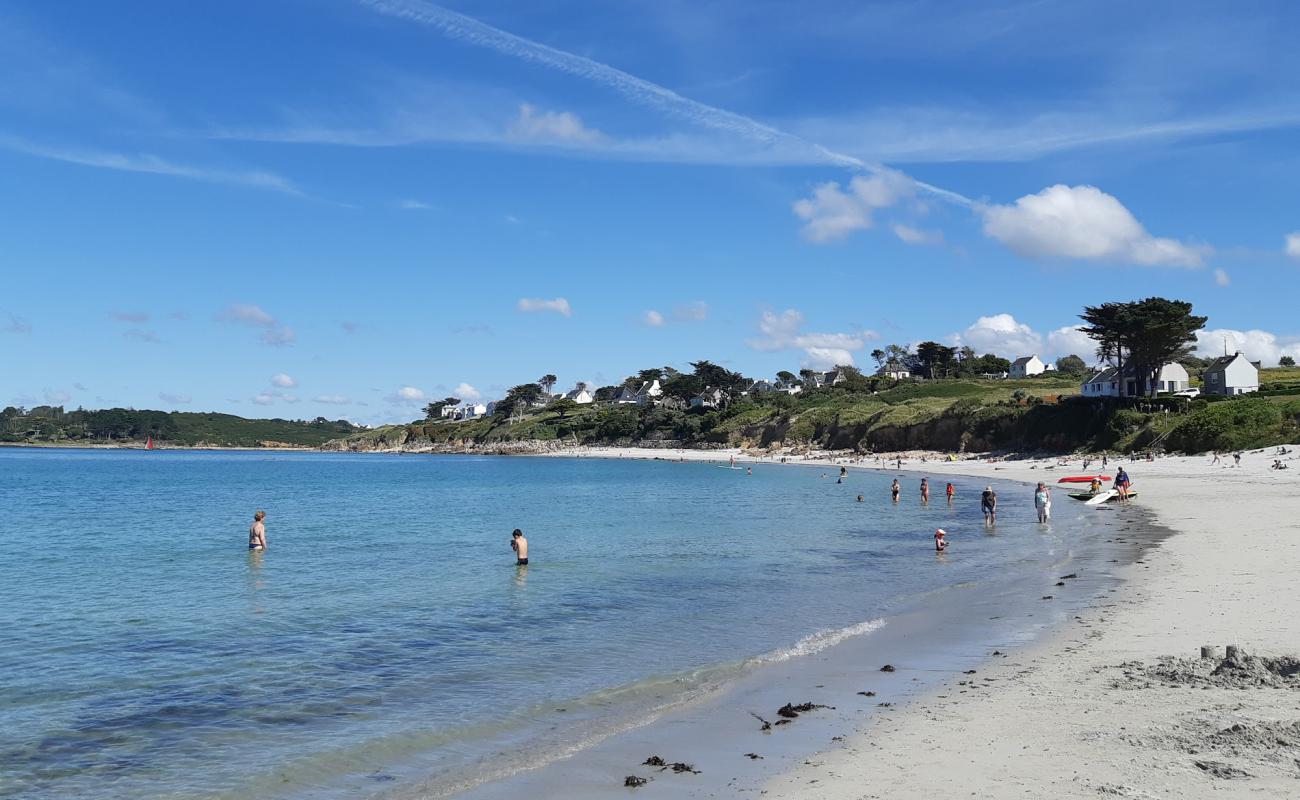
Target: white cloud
x,y
825,358
1082,222
175,399
247,314
466,392
1257,345
697,311
272,396
56,397
280,336
16,324
1293,244
81,387
332,399
783,332
551,127
653,318
1222,278
559,305
154,165
407,396
141,335
413,205
1072,341
283,381
832,213
909,235
131,316
1002,335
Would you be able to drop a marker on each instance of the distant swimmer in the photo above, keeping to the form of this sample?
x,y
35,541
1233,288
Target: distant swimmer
x,y
859,498
950,491
749,470
895,489
844,473
989,505
940,543
925,490
257,532
520,545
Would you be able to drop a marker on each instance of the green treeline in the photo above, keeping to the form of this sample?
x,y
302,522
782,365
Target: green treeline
x,y
54,425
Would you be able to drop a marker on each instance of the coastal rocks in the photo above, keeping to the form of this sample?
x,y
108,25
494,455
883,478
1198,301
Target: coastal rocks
x,y
632,781
887,668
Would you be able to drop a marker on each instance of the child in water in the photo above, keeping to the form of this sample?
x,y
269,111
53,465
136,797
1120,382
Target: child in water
x,y
940,543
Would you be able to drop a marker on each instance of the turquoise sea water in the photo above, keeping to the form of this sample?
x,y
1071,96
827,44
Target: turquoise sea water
x,y
386,636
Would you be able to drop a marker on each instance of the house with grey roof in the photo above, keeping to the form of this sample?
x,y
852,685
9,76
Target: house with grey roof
x,y
1230,375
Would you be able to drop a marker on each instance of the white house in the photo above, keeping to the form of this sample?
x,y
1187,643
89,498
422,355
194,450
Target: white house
x,y
449,411
580,395
1027,366
709,398
1106,383
1230,375
647,392
759,386
894,371
1173,377
472,411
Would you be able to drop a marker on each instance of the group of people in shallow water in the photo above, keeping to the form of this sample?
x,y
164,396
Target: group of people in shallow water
x,y
257,539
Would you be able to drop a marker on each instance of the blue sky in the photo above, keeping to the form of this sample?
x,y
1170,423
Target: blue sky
x,y
342,208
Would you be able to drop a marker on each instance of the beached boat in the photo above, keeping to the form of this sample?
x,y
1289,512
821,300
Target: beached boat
x,y
1083,478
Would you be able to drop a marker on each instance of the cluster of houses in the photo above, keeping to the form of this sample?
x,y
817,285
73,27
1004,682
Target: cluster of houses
x,y
1229,375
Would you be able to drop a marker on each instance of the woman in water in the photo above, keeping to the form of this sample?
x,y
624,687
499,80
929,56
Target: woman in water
x,y
257,532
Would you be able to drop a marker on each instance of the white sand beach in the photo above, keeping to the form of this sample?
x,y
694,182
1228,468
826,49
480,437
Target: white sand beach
x,y
1078,714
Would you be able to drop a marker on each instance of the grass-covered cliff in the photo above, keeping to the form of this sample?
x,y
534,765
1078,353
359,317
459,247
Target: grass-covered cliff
x,y
1041,414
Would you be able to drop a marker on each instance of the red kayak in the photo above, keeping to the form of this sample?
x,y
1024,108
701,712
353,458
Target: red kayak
x,y
1083,478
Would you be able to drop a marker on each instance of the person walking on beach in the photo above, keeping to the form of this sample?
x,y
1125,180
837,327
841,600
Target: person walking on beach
x,y
1122,483
257,532
940,543
925,490
895,489
1043,502
520,545
1236,459
989,505
1216,458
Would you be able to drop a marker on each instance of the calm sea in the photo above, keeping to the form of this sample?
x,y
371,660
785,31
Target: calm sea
x,y
386,634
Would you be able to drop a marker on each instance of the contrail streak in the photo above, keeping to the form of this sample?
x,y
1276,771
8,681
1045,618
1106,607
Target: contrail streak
x,y
471,31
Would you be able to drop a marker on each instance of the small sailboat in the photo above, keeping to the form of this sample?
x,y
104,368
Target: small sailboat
x,y
148,445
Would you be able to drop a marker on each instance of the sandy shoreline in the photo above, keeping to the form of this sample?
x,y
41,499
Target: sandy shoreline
x,y
1062,717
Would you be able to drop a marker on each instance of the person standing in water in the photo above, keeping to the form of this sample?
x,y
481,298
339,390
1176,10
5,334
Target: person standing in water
x,y
989,505
257,532
925,490
895,489
520,545
940,543
1042,502
950,491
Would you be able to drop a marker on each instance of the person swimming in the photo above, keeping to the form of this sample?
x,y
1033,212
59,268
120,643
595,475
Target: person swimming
x,y
520,545
257,532
859,498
